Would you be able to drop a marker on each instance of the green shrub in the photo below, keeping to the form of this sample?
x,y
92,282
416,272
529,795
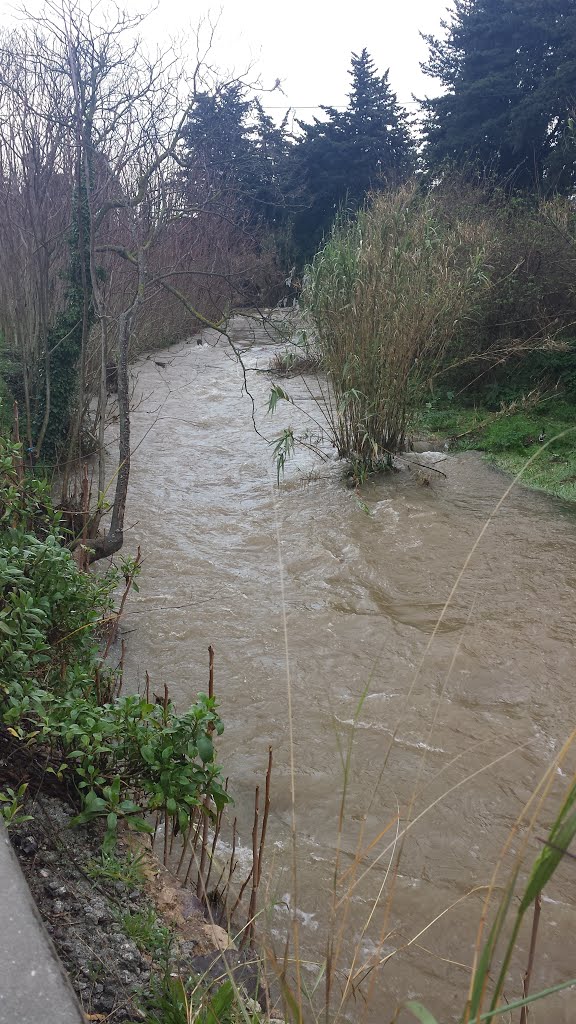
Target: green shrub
x,y
125,757
184,1001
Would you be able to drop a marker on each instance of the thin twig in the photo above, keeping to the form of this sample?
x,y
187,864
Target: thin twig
x,y
211,671
533,937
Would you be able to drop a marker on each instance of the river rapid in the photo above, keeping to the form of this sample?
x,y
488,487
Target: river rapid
x,y
341,592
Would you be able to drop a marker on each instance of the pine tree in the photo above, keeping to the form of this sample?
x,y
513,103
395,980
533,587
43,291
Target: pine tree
x,y
216,148
508,68
270,191
341,158
233,150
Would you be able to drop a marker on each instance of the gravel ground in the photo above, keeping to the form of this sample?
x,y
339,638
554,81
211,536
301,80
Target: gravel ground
x,y
110,974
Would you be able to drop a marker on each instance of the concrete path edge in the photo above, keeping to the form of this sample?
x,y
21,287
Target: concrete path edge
x,y
33,984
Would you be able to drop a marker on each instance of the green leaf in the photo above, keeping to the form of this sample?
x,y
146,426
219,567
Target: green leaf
x,y
508,1007
147,752
421,1013
547,862
94,803
205,749
220,1004
139,825
277,394
128,807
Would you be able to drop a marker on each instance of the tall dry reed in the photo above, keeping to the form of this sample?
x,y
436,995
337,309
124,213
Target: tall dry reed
x,y
385,295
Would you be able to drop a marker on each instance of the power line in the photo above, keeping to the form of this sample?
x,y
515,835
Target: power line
x,y
319,106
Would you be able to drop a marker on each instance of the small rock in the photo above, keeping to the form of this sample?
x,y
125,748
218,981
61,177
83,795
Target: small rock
x,y
190,904
27,845
58,907
106,1002
188,949
217,936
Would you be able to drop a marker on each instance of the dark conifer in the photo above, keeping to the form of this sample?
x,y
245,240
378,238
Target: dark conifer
x,y
339,159
508,68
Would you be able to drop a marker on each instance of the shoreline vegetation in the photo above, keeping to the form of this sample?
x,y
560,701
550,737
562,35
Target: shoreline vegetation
x,y
142,195
86,770
449,311
508,438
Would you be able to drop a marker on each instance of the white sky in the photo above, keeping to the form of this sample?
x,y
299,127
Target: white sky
x,y
305,43
308,43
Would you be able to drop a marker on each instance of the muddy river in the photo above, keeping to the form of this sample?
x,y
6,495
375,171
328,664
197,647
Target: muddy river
x,y
321,604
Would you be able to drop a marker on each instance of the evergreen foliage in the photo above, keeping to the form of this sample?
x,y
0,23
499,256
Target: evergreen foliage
x,y
215,140
508,68
340,159
232,147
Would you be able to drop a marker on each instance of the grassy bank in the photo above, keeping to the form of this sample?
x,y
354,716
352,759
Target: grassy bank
x,y
510,436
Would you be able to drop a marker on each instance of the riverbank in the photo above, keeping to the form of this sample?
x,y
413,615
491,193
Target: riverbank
x,y
538,440
87,771
127,933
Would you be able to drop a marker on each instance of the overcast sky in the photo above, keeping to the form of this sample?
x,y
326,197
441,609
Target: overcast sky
x,y
305,43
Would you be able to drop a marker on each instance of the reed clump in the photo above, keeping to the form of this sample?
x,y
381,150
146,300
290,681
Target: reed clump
x,y
385,296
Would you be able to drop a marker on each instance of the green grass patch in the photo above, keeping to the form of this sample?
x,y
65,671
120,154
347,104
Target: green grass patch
x,y
124,867
147,931
511,438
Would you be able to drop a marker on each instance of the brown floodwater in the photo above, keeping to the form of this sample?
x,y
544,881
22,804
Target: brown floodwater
x,y
467,716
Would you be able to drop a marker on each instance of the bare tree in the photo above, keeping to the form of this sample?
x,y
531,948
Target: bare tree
x,y
135,242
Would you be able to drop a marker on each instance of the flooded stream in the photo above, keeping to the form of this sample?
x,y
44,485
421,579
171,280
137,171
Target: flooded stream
x,y
353,584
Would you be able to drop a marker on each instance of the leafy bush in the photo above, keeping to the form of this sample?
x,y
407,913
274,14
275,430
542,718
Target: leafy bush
x,y
125,757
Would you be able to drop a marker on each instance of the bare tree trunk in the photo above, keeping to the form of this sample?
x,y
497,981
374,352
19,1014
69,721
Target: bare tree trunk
x,y
102,408
46,417
102,547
